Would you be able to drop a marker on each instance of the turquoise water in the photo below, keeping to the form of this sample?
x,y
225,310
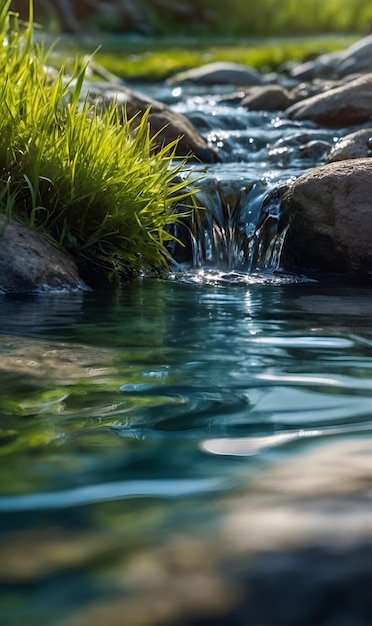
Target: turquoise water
x,y
160,440
196,451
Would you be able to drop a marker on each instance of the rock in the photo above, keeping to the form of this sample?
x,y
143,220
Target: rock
x,y
354,60
349,104
267,98
323,66
165,124
219,73
30,264
356,145
313,146
307,89
329,216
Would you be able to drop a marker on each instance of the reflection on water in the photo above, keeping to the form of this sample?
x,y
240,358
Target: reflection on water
x,y
173,452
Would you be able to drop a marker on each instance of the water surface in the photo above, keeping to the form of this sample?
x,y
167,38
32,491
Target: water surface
x,y
135,422
195,451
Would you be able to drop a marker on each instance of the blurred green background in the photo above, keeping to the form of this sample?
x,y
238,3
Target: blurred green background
x,y
203,17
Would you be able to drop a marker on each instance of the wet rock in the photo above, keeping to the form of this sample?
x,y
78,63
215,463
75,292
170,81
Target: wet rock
x,y
219,73
356,145
323,66
30,264
354,60
328,212
307,89
165,124
267,98
349,104
315,150
312,146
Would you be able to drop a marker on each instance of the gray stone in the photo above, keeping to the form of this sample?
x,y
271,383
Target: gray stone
x,y
353,146
328,212
354,60
323,66
347,105
219,73
165,124
30,264
267,98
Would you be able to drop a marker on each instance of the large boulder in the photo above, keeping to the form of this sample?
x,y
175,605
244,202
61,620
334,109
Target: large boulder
x,y
328,212
166,125
346,105
30,264
219,73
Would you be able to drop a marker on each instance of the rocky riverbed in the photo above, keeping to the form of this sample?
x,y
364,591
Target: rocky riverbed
x,y
309,123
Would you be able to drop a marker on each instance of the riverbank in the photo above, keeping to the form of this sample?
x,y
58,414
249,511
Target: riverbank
x,y
134,58
102,170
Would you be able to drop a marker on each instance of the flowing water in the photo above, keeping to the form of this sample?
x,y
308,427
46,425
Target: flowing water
x,y
193,450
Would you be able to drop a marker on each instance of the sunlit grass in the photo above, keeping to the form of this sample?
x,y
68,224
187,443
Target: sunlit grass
x,y
87,180
159,59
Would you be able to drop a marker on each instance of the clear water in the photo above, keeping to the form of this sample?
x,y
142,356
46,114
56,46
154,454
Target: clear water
x,y
193,451
138,425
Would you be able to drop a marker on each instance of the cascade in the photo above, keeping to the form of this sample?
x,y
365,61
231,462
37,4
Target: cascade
x,y
235,227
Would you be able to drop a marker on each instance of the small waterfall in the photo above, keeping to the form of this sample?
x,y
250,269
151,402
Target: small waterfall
x,y
234,227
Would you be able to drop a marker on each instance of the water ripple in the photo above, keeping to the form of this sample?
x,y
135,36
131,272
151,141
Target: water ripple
x,y
342,383
311,341
106,492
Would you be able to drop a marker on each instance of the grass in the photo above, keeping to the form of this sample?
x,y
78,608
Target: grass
x,y
161,63
96,189
157,59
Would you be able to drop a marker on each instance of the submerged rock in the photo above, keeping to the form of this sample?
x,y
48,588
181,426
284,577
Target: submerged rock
x,y
346,105
329,216
293,548
30,264
219,73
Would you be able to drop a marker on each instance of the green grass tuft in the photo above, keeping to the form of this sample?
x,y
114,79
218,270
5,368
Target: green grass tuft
x,y
86,180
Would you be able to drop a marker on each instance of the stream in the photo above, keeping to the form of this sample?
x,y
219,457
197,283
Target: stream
x,y
194,451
